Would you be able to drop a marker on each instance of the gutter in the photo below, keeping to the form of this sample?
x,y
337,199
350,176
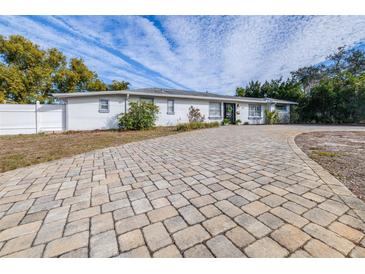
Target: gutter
x,y
206,98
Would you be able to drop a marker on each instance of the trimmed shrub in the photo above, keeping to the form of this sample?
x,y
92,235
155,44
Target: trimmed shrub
x,y
196,125
141,115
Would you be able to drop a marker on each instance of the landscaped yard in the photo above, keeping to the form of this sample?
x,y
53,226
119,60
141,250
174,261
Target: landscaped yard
x,y
24,150
342,153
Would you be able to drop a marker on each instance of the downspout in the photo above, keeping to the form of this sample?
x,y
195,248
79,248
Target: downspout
x,y
126,103
222,110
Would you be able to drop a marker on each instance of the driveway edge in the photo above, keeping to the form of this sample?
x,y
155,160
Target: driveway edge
x,y
354,203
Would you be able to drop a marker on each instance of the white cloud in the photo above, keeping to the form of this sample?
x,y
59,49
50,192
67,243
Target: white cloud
x,y
212,53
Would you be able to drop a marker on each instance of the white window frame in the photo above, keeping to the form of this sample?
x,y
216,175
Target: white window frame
x,y
171,112
215,116
147,99
281,110
254,111
102,103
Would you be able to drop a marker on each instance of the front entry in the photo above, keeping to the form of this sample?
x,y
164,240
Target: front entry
x,y
230,112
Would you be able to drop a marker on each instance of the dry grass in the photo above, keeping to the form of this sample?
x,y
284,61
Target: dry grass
x,y
24,150
319,153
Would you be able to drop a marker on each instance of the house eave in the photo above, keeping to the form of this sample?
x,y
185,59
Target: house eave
x,y
166,95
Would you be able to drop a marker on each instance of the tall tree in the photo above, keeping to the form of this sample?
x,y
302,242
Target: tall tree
x,y
337,62
97,85
78,77
26,71
118,85
308,76
332,92
253,89
29,73
356,62
240,91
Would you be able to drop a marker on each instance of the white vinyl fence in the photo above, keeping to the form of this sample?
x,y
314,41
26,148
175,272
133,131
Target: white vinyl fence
x,y
27,119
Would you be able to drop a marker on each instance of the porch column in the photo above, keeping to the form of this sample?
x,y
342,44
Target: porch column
x,y
237,111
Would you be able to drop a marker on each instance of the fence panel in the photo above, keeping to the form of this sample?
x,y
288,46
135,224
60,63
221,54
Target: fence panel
x,y
28,119
51,117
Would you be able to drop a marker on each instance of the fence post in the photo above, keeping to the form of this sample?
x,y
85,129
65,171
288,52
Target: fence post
x,y
37,106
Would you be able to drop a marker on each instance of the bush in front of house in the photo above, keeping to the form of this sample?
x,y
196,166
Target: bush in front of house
x,y
271,117
194,115
141,115
226,121
238,122
196,125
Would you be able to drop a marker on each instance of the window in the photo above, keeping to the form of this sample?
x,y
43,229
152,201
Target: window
x,y
147,100
254,111
280,107
103,105
214,110
170,106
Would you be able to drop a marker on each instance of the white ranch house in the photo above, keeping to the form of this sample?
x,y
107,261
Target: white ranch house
x,y
100,110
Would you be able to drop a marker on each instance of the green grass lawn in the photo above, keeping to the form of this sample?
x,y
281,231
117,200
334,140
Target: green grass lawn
x,y
24,150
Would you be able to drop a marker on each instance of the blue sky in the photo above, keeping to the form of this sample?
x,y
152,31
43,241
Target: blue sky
x,y
204,53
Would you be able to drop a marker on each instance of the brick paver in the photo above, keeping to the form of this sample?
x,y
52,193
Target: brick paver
x,y
235,191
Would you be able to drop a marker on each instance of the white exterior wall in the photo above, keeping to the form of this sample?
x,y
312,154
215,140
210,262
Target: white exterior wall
x,y
82,113
29,119
181,110
284,115
243,114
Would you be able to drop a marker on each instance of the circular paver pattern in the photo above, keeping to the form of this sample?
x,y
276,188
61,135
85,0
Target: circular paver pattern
x,y
235,191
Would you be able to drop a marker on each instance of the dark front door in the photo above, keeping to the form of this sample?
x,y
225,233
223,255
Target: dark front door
x,y
230,112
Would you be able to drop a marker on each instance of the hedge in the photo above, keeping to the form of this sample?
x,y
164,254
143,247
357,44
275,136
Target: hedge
x,y
196,125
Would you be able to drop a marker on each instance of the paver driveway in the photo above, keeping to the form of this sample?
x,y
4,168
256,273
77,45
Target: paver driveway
x,y
233,191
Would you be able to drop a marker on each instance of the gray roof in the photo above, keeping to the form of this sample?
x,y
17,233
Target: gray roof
x,y
163,92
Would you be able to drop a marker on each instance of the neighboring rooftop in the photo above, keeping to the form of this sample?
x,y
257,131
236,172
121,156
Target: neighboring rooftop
x,y
159,92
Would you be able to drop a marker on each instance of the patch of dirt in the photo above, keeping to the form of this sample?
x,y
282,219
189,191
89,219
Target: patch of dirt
x,y
342,153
